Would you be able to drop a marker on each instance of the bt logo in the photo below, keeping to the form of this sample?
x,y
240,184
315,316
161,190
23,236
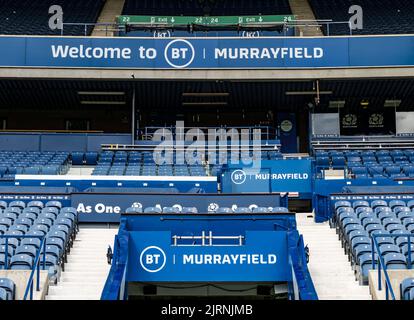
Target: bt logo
x,y
152,259
179,53
238,176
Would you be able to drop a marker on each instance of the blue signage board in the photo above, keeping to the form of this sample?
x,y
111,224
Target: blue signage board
x,y
108,207
207,53
263,257
274,176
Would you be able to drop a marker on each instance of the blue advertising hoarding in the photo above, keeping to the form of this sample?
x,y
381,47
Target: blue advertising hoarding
x,y
293,175
207,53
262,258
108,207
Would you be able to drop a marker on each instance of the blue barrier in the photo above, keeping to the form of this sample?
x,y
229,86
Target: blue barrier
x,y
107,207
175,248
288,175
215,53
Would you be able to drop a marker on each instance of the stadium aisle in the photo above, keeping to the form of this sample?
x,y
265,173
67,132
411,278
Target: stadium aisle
x,y
86,270
329,267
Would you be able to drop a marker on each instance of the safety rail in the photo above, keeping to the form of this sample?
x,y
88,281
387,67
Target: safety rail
x,y
36,264
266,132
110,27
362,143
208,237
381,264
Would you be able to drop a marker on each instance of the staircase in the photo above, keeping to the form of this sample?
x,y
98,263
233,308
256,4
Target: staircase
x,y
303,11
329,267
87,269
111,9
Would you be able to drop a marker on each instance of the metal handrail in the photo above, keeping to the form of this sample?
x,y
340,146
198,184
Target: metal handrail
x,y
36,264
116,27
381,264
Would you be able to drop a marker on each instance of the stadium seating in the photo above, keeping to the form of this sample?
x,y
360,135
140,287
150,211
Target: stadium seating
x,y
355,223
369,164
33,162
200,8
58,224
379,16
27,17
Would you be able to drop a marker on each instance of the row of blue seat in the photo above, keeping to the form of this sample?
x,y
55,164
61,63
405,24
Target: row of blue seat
x,y
357,221
146,157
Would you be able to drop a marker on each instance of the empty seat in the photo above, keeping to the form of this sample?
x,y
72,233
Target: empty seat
x,y
405,287
21,262
395,261
9,286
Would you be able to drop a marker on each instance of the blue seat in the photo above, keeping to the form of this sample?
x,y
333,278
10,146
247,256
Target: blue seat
x,y
35,204
3,295
17,204
53,204
373,227
376,171
360,203
29,250
77,158
21,262
9,286
378,203
365,264
388,221
356,241
43,228
388,248
395,203
405,287
34,242
369,221
395,261
91,158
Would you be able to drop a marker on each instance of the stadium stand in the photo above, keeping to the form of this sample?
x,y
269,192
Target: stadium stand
x,y
31,17
201,8
58,224
390,163
380,17
357,221
33,162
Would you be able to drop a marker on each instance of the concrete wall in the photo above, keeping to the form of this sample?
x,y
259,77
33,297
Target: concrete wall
x,y
59,141
21,278
396,277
